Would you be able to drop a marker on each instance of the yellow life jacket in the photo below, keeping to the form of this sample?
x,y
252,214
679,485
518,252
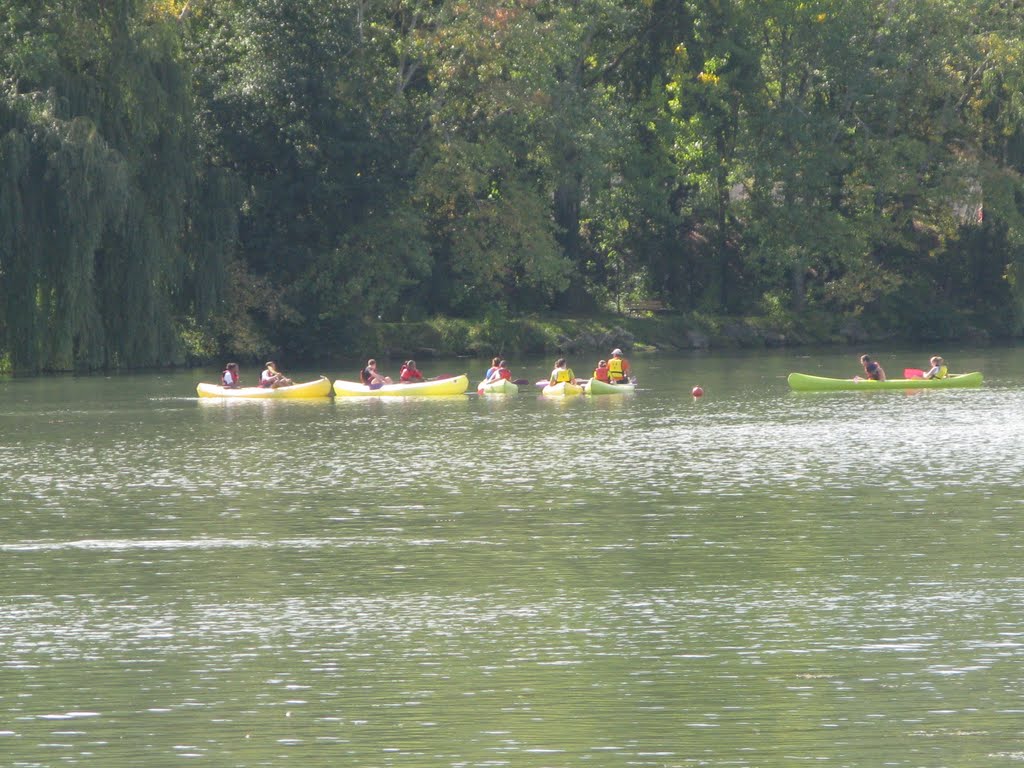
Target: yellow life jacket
x,y
615,369
943,370
562,374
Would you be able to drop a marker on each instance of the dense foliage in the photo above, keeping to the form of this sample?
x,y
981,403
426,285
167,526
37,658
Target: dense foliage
x,y
235,176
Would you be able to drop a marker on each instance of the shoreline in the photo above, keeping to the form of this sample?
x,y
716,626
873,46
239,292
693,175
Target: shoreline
x,y
545,335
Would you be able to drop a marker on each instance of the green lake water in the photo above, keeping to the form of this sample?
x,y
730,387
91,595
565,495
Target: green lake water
x,y
756,578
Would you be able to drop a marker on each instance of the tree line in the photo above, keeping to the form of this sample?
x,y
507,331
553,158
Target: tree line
x,y
181,179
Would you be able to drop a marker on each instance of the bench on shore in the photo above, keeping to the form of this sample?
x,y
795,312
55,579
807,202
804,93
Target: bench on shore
x,y
650,305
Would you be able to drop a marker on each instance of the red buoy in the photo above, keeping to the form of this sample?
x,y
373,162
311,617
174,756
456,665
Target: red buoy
x,y
697,392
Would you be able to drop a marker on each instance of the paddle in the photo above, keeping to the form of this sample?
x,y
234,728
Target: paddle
x,y
913,373
521,382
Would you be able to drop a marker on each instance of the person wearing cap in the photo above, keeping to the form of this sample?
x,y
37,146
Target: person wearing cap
x,y
618,368
410,373
272,378
601,372
938,369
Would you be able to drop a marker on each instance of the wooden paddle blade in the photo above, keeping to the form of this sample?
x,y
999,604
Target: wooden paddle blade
x,y
913,373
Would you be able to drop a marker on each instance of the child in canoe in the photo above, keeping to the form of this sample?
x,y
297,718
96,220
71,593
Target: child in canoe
x,y
938,369
501,372
271,378
371,378
561,373
495,363
230,377
601,372
410,373
872,370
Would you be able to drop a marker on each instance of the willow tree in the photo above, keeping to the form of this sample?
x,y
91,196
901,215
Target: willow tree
x,y
100,178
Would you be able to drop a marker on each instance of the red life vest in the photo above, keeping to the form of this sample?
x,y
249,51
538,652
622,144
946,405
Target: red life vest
x,y
601,374
505,373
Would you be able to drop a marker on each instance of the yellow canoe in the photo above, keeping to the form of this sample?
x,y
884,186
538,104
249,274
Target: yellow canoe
x,y
319,388
562,389
454,385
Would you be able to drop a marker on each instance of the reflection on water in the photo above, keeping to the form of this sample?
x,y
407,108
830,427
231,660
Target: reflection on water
x,y
756,578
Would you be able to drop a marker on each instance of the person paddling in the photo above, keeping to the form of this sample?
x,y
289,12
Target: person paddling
x,y
272,378
872,369
938,369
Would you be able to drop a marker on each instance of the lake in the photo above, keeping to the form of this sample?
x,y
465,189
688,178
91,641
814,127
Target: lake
x,y
753,578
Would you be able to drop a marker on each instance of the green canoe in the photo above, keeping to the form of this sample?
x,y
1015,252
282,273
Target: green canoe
x,y
597,387
497,387
802,382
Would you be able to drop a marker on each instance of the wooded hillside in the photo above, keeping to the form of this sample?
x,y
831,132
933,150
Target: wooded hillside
x,y
180,180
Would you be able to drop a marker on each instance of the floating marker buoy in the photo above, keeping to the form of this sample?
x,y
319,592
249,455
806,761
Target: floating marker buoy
x,y
697,392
